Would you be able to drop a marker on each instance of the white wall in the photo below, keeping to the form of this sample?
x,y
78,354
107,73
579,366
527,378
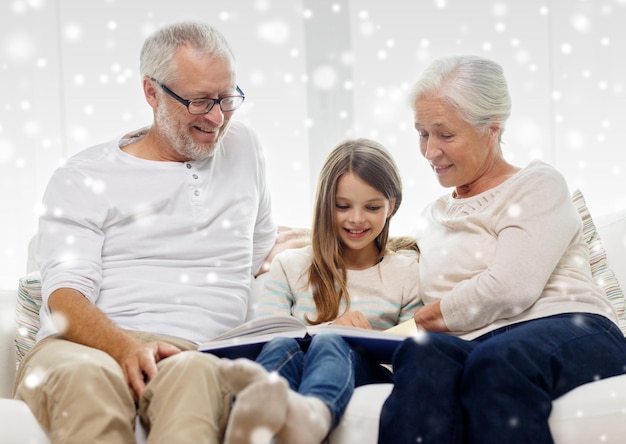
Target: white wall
x,y
314,72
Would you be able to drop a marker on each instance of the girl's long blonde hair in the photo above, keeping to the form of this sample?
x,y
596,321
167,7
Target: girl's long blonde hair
x,y
373,164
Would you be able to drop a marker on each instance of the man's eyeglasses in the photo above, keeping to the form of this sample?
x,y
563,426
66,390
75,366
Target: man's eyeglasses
x,y
203,106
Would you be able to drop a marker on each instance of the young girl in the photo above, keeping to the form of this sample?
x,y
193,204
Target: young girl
x,y
347,276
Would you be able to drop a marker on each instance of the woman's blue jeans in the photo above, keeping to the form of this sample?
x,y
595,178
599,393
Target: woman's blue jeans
x,y
323,366
499,387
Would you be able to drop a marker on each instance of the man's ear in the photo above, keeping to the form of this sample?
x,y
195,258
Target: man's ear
x,y
149,91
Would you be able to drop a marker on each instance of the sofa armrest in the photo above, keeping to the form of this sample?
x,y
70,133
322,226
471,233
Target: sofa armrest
x,y
19,425
612,230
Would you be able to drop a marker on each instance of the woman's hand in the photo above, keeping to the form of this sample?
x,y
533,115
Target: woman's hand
x,y
429,318
353,319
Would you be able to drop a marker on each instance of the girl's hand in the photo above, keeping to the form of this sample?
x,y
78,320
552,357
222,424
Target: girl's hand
x,y
429,318
353,319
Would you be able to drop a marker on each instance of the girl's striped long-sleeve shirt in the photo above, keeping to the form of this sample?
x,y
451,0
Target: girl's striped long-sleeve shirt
x,y
387,293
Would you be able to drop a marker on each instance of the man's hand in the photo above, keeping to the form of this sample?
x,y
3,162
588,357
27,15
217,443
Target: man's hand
x,y
353,319
86,324
139,363
287,238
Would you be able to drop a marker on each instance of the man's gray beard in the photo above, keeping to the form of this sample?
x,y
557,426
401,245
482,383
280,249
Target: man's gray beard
x,y
181,142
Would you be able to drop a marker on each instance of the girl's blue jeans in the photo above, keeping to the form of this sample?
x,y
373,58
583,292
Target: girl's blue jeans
x,y
323,366
499,387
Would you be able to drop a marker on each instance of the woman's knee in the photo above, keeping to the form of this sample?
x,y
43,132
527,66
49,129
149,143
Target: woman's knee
x,y
432,350
506,366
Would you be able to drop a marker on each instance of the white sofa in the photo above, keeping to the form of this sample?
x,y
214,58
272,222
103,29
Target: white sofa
x,y
593,413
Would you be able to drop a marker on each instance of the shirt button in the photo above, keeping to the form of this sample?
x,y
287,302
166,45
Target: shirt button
x,y
195,176
188,166
196,193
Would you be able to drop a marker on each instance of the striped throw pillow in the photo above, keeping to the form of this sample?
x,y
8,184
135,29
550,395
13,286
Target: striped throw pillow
x,y
602,274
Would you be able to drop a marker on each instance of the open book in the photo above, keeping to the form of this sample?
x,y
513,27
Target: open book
x,y
247,340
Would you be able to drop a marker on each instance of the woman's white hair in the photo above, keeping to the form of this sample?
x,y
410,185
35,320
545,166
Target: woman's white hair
x,y
474,86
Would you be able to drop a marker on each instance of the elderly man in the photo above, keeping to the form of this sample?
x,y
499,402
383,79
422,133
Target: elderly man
x,y
146,248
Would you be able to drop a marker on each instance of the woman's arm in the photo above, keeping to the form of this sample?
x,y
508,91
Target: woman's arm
x,y
533,228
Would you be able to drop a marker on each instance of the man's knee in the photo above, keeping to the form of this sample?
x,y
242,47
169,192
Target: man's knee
x,y
85,379
57,394
186,380
73,368
189,363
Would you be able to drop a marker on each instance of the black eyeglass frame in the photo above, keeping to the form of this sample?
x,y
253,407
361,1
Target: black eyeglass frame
x,y
211,102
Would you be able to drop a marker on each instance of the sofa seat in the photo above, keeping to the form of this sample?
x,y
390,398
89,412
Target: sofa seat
x,y
592,413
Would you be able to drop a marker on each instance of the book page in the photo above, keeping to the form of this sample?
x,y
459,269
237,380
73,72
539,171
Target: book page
x,y
406,328
264,325
397,332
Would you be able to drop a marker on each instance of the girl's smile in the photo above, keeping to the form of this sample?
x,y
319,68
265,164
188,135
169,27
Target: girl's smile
x,y
361,212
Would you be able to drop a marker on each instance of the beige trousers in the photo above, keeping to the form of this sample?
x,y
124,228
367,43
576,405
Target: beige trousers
x,y
79,395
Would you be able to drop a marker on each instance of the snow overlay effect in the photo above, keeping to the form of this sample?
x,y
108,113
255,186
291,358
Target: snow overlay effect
x,y
314,72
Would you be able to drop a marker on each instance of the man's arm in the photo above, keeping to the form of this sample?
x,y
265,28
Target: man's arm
x,y
82,322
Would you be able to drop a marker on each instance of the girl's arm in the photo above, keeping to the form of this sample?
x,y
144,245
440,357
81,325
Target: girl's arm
x,y
277,297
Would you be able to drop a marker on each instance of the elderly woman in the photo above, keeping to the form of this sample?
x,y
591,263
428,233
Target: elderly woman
x,y
512,315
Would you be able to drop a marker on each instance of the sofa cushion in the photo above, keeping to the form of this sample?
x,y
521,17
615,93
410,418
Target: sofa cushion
x,y
612,229
27,314
601,272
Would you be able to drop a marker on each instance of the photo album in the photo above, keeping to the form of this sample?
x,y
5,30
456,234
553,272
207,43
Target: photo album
x,y
246,340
